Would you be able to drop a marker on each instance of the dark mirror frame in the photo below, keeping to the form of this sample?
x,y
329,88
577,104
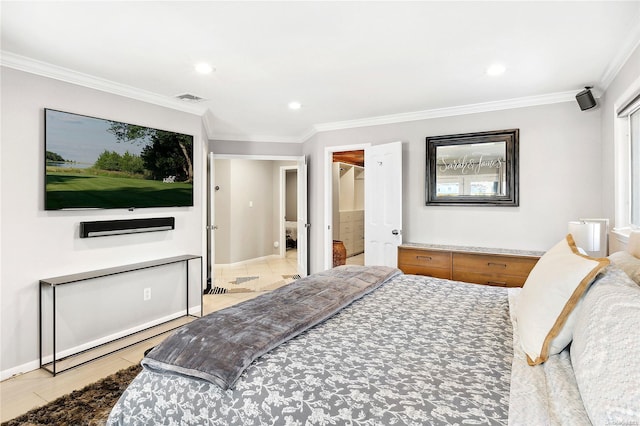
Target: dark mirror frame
x,y
510,199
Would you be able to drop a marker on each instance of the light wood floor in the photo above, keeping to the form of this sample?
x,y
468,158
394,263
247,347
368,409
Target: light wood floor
x,y
21,393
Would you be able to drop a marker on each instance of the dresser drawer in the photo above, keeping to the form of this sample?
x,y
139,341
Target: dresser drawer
x,y
495,279
346,227
425,258
493,264
425,270
472,266
425,262
348,216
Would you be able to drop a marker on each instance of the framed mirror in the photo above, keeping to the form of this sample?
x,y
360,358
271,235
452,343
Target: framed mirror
x,y
473,169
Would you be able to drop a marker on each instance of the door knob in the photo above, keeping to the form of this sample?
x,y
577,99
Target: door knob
x,y
395,232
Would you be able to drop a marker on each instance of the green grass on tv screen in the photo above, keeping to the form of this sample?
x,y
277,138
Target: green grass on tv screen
x,y
77,190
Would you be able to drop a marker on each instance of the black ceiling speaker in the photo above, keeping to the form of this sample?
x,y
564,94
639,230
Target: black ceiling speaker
x,y
585,99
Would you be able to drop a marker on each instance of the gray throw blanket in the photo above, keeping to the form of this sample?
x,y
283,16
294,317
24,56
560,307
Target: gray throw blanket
x,y
220,346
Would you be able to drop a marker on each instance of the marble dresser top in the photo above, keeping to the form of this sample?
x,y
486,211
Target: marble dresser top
x,y
480,250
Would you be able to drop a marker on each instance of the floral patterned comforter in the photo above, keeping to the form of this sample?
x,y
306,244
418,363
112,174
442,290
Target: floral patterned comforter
x,y
416,351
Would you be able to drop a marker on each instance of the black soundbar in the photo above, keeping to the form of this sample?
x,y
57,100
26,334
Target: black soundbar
x,y
102,228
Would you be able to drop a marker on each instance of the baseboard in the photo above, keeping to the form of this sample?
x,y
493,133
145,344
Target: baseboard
x,y
242,262
110,338
20,369
34,365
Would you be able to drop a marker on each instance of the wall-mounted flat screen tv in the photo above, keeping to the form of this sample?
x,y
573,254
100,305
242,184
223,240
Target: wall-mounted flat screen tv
x,y
93,163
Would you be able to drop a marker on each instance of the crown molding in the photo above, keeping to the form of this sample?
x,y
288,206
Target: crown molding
x,y
624,53
450,111
208,120
23,63
29,65
308,135
255,138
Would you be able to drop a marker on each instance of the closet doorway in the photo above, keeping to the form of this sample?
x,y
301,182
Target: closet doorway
x,y
382,202
347,186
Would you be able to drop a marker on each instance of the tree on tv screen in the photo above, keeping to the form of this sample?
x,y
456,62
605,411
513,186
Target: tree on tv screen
x,y
166,154
52,156
127,162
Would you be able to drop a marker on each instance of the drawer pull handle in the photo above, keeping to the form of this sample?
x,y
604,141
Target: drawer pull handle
x,y
502,283
502,265
428,258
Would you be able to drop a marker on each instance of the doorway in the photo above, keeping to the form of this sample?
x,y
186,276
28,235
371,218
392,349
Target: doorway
x,y
248,227
347,207
382,200
289,207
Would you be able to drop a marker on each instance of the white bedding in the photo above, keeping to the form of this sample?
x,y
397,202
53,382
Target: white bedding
x,y
545,394
459,331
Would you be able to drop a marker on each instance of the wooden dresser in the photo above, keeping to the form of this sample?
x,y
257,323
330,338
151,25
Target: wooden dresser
x,y
498,267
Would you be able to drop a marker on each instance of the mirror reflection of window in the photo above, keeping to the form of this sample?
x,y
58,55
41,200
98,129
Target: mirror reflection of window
x,y
484,188
448,189
479,169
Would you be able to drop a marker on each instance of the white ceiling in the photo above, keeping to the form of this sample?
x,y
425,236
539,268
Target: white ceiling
x,y
348,63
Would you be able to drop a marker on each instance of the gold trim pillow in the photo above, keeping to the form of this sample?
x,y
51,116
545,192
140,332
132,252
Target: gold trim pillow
x,y
546,304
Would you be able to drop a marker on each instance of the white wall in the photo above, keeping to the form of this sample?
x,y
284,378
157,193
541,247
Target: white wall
x,y
39,244
220,147
560,178
247,207
251,209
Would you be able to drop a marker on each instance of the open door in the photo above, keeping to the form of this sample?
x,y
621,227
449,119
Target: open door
x,y
303,225
210,223
383,203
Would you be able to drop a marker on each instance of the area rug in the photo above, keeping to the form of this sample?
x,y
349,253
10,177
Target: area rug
x,y
89,406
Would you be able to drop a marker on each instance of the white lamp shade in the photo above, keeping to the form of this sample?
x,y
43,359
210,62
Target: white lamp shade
x,y
586,235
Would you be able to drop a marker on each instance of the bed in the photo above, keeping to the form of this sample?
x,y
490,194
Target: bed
x,y
413,350
291,234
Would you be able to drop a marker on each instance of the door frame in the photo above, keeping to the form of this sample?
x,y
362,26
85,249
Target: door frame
x,y
328,197
283,207
296,158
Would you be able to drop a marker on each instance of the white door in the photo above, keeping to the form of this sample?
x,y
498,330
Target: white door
x,y
383,203
210,225
303,225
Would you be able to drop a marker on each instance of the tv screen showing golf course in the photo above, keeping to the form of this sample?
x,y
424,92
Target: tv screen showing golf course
x,y
94,163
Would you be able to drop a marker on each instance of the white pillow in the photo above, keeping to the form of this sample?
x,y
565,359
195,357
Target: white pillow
x,y
546,304
628,263
605,348
633,245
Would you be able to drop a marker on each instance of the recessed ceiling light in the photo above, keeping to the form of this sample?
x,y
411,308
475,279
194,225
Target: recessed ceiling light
x,y
295,105
496,69
204,68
